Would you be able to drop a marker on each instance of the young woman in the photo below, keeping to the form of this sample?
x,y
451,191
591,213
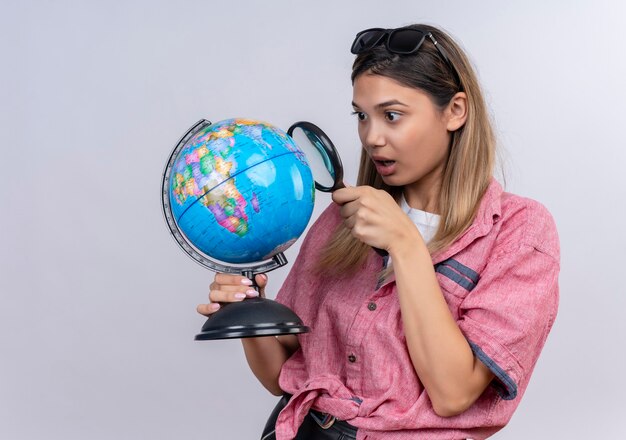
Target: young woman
x,y
438,340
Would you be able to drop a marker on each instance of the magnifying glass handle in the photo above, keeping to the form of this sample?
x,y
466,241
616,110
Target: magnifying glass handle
x,y
381,252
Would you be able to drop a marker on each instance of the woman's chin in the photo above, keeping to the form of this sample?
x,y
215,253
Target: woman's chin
x,y
393,180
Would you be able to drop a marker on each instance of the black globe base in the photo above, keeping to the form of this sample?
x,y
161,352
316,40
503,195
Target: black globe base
x,y
251,318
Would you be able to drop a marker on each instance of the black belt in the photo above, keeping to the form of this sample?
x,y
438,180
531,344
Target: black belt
x,y
316,425
327,421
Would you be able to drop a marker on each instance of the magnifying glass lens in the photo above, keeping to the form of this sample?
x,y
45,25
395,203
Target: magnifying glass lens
x,y
322,156
319,162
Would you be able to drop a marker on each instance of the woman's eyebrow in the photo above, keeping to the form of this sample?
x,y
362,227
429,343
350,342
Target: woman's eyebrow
x,y
383,104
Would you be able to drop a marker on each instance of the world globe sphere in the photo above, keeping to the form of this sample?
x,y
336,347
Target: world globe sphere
x,y
240,191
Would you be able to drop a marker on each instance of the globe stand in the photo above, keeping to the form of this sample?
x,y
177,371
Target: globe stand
x,y
245,319
252,317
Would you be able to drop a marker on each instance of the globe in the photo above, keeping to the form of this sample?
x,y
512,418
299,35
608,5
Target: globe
x,y
240,190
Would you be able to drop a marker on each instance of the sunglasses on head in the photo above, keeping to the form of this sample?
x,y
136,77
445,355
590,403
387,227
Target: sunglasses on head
x,y
402,41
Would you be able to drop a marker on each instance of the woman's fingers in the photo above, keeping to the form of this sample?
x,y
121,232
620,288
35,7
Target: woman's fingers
x,y
224,296
227,288
234,295
344,195
208,309
235,285
230,279
261,281
349,210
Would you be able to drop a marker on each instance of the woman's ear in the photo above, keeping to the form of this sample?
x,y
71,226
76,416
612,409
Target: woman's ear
x,y
456,112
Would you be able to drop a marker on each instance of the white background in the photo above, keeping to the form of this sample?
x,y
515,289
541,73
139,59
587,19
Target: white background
x,y
97,311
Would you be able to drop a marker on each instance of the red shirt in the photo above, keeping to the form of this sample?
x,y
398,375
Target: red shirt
x,y
500,280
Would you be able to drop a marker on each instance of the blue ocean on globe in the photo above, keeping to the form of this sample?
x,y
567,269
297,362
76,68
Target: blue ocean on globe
x,y
241,191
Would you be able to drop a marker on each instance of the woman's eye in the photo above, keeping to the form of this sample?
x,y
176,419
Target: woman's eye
x,y
360,115
392,116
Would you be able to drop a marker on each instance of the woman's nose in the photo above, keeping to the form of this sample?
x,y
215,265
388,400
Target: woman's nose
x,y
374,136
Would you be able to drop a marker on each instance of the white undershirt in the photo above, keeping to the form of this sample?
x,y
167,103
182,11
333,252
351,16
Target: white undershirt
x,y
426,222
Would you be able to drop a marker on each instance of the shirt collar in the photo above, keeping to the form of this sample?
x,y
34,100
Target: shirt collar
x,y
489,212
490,208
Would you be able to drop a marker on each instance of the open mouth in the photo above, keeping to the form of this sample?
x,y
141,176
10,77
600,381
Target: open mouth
x,y
385,163
385,167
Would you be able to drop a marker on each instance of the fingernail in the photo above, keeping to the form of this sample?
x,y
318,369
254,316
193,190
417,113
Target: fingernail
x,y
264,276
214,306
240,295
252,292
246,282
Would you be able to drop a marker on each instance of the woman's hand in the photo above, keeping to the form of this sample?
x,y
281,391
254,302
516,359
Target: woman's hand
x,y
265,355
227,288
374,217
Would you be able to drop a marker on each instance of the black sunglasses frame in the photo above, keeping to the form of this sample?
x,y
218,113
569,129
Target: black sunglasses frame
x,y
386,35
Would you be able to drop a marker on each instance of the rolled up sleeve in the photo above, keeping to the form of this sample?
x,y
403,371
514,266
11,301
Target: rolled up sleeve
x,y
506,318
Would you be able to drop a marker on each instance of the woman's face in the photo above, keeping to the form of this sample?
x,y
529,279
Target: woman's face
x,y
403,132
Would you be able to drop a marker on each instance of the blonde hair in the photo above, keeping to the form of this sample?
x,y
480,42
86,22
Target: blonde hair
x,y
472,152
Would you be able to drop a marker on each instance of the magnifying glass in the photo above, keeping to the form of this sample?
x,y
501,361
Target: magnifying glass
x,y
323,158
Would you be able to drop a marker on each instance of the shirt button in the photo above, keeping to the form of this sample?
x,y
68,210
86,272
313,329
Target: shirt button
x,y
352,358
372,306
